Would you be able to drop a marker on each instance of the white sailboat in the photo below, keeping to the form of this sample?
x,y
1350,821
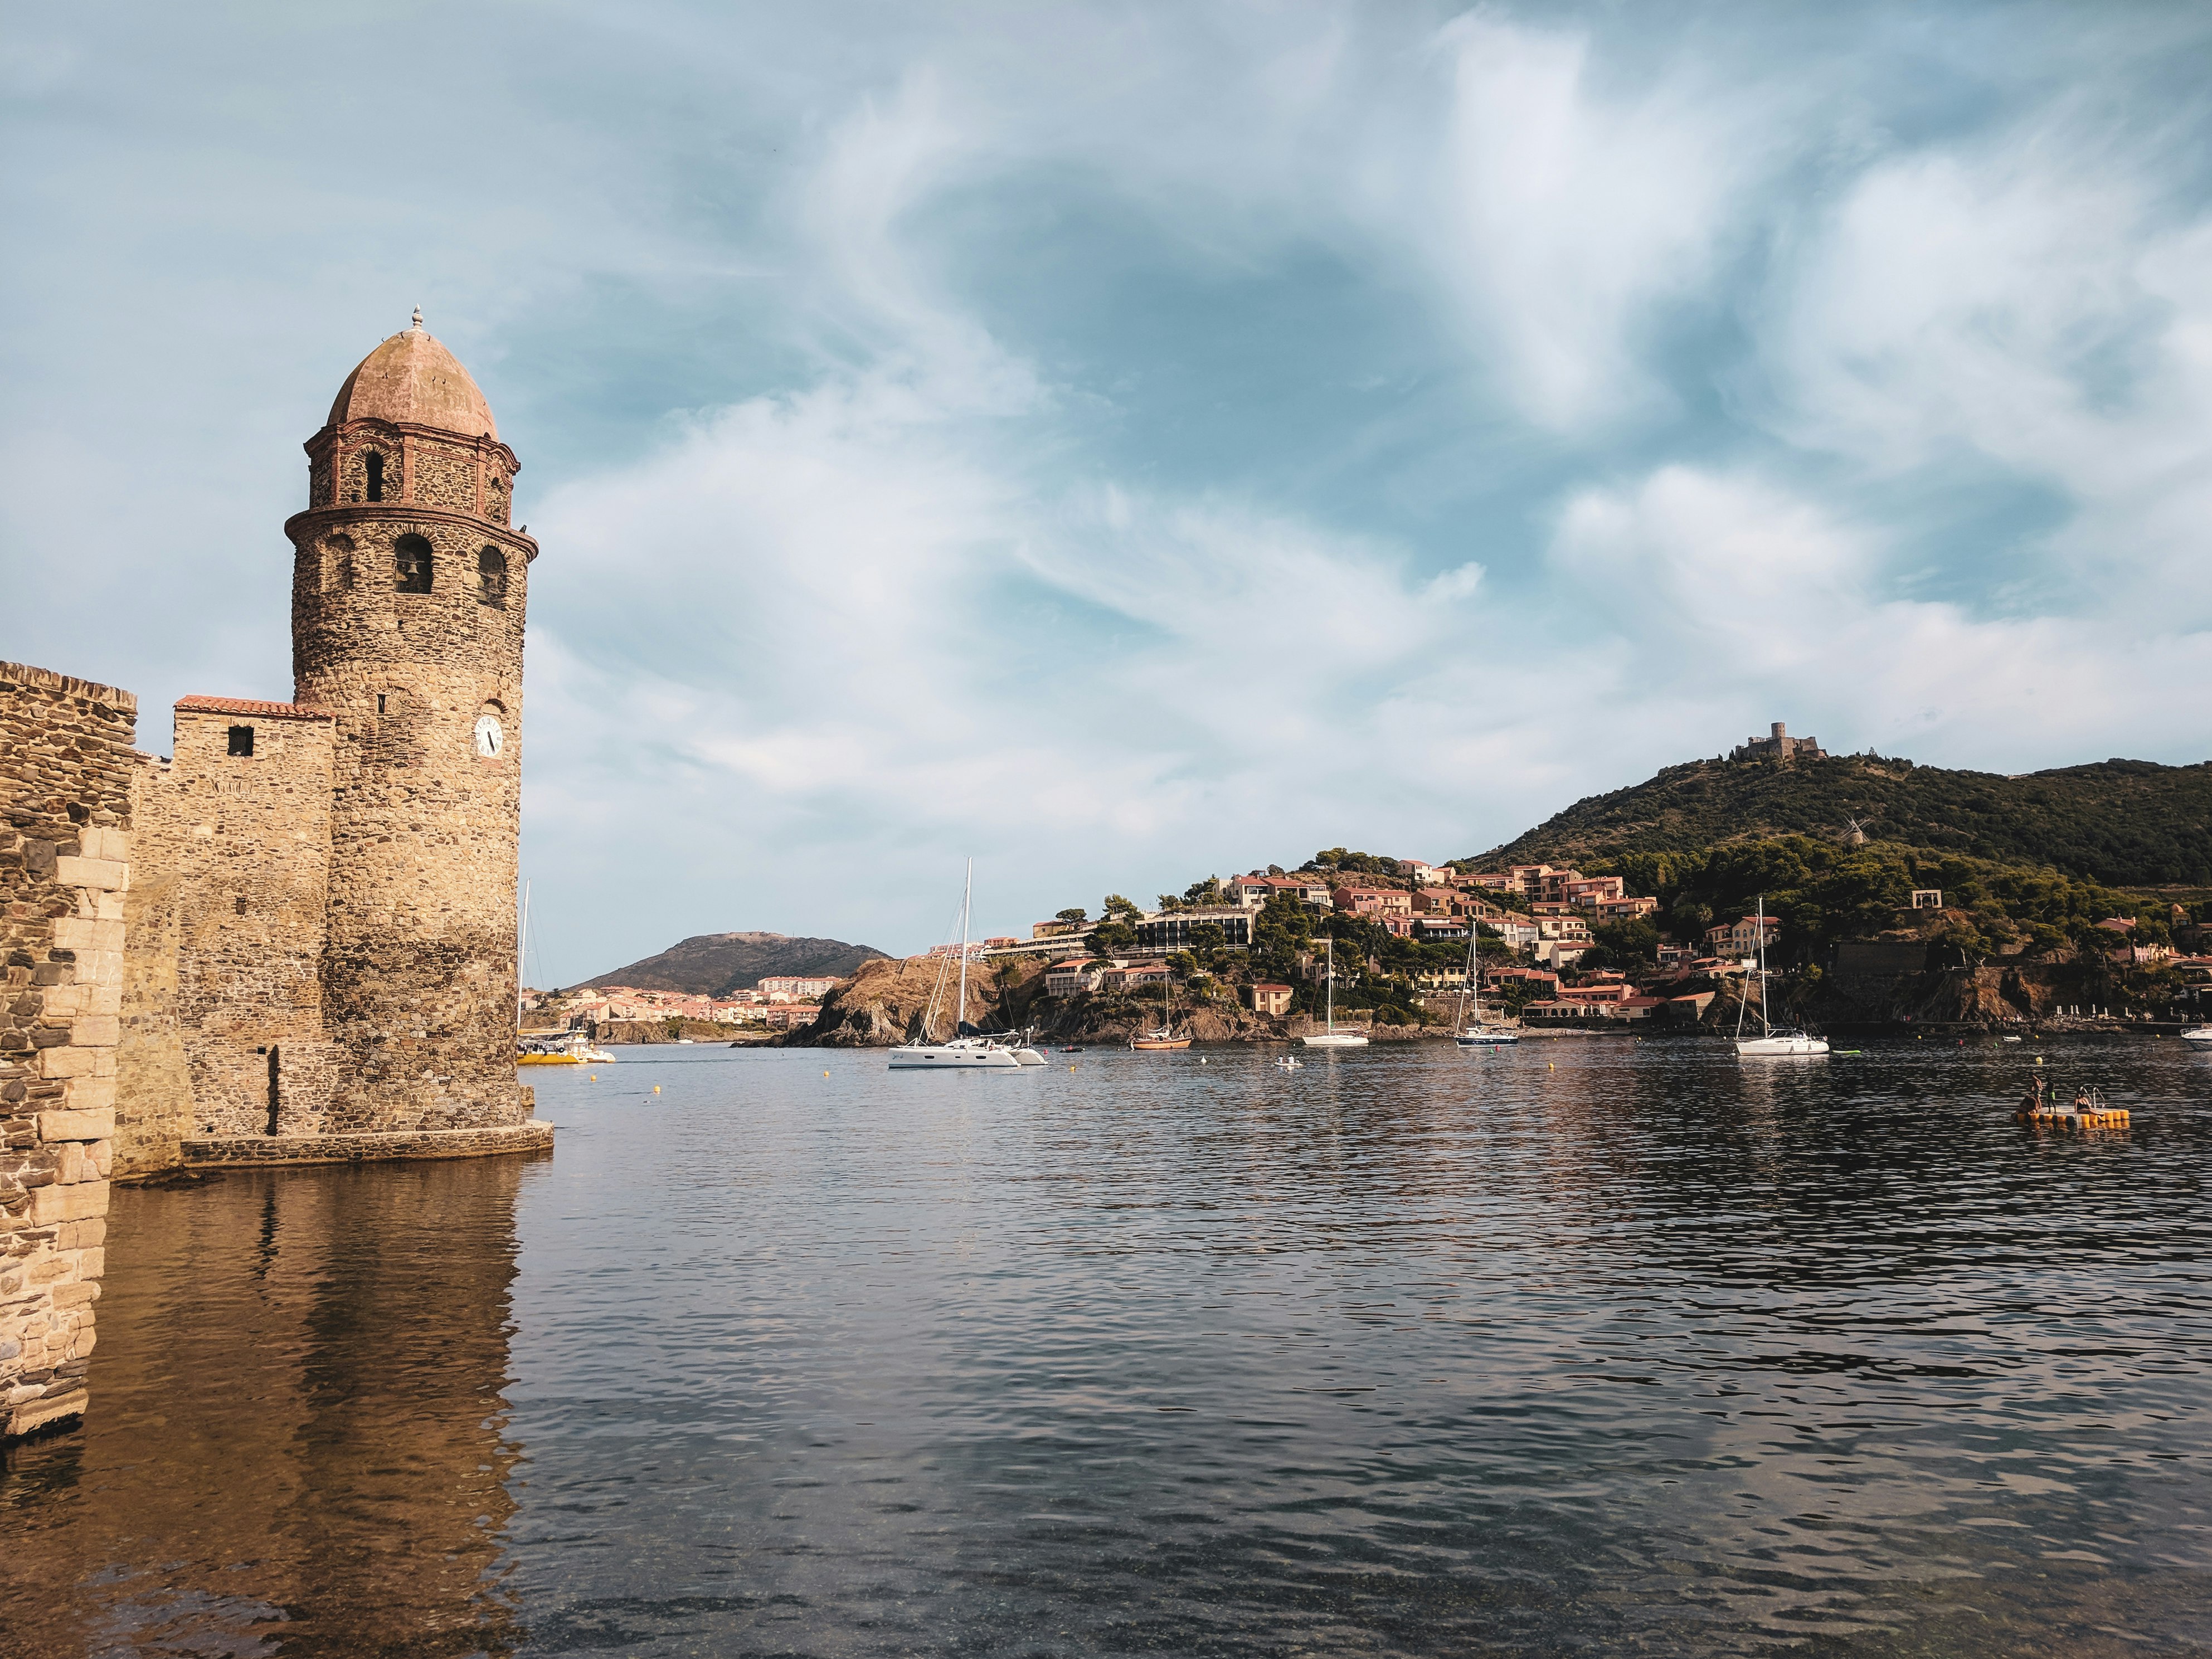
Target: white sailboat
x,y
1772,1041
1472,1033
969,1050
1330,1037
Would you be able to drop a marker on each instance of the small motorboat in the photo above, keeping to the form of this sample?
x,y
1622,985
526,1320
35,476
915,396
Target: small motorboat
x,y
554,1048
1289,1063
2199,1038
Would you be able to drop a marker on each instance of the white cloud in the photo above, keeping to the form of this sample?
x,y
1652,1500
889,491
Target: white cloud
x,y
1730,595
1559,217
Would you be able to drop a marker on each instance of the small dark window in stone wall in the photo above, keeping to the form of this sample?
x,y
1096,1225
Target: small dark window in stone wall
x,y
410,557
239,904
491,577
374,464
242,740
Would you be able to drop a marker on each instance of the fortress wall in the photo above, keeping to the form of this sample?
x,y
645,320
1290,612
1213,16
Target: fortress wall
x,y
153,1084
66,767
246,839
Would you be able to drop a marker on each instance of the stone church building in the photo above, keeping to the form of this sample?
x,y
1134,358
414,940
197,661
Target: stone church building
x,y
294,940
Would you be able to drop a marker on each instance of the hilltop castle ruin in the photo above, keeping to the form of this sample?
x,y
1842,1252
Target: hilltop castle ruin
x,y
1778,745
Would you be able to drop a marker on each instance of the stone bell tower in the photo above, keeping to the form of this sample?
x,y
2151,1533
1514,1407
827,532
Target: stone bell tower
x,y
407,593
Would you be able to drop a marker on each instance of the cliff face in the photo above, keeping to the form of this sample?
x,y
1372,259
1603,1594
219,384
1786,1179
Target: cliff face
x,y
885,1001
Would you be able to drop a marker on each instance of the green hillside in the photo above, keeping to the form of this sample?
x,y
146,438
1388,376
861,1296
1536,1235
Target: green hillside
x,y
2128,823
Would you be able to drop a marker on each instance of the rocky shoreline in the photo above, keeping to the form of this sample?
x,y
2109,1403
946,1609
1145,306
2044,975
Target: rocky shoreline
x,y
884,1003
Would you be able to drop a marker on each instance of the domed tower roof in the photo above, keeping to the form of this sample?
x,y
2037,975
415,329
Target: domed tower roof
x,y
410,377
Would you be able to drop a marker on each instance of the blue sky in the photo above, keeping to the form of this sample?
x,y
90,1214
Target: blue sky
x,y
1125,443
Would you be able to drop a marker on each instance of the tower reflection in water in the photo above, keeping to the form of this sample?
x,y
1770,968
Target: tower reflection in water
x,y
297,1446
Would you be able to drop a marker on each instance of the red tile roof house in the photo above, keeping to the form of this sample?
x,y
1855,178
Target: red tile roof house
x,y
1593,1003
1377,902
1271,1000
1136,976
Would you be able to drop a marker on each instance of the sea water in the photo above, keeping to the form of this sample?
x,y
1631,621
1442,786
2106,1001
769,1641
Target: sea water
x,y
1591,1346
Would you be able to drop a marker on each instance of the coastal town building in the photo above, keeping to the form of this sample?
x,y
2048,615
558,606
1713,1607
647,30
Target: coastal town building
x,y
1134,976
1171,930
804,987
1742,937
1273,1000
1068,978
1255,889
1359,900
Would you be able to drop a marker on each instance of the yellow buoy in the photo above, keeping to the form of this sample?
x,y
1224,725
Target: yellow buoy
x,y
595,1077
1549,1066
656,1088
825,1074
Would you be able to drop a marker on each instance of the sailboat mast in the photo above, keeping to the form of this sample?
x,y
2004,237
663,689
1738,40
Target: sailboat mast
x,y
522,949
966,893
1766,1025
1331,976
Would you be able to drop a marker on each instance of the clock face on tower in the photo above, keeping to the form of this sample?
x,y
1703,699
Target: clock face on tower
x,y
489,736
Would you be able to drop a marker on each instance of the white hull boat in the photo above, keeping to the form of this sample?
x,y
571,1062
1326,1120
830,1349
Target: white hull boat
x,y
970,1050
1771,1043
1780,1043
962,1054
2199,1038
1331,1037
1470,1032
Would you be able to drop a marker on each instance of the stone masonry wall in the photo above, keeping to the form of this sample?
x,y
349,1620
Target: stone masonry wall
x,y
247,839
65,765
422,467
153,1086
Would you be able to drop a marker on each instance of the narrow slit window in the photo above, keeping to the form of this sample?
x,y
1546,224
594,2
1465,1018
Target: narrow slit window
x,y
242,740
491,577
374,463
411,558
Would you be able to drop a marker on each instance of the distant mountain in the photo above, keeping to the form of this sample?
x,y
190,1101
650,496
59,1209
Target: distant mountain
x,y
2131,824
716,964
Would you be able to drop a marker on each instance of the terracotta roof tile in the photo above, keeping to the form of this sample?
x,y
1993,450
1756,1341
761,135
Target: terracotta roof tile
x,y
268,711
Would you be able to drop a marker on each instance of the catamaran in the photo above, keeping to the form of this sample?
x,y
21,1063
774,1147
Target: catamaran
x,y
969,1050
1772,1041
1330,1037
1472,1033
